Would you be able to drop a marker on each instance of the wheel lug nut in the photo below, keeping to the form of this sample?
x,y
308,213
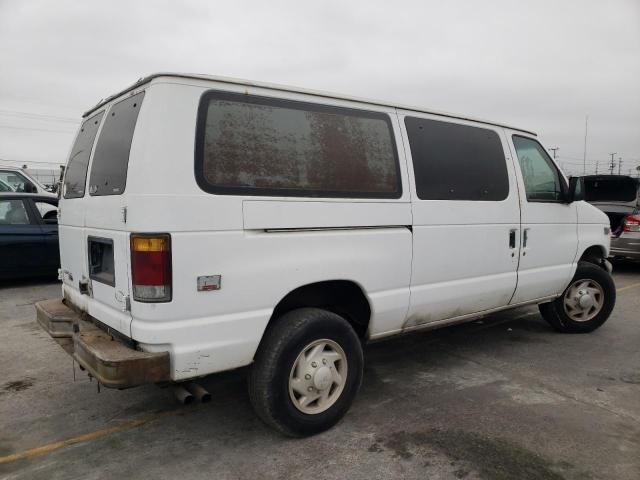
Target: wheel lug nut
x,y
307,376
324,361
310,389
314,364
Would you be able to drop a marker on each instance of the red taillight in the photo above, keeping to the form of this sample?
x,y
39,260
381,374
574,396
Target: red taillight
x,y
151,267
632,224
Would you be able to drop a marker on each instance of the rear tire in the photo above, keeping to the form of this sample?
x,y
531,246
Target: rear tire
x,y
306,373
585,304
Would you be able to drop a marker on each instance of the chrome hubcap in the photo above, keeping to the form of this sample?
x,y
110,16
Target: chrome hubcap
x,y
317,376
583,300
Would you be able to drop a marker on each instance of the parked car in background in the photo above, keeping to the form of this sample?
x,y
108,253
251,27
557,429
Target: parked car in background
x,y
619,197
19,180
28,238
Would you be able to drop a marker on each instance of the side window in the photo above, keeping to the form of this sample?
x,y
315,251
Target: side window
x,y
75,175
16,182
13,212
456,162
542,180
48,212
111,158
5,187
248,145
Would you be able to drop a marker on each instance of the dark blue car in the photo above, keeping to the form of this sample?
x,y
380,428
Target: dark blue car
x,y
28,235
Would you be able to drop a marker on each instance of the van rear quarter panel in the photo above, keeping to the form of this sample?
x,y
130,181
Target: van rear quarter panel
x,y
363,240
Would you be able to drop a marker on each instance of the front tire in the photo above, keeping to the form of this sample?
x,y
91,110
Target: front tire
x,y
306,373
585,304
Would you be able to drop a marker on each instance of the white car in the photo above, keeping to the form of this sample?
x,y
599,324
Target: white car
x,y
19,180
208,224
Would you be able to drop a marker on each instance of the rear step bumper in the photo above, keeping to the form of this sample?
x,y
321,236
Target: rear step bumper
x,y
112,363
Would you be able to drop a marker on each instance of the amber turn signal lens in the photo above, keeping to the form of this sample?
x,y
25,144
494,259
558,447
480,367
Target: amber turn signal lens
x,y
149,244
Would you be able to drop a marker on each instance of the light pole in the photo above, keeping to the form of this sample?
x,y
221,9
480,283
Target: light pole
x,y
584,152
612,165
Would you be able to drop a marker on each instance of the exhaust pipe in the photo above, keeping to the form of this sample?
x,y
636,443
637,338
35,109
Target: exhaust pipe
x,y
182,395
200,393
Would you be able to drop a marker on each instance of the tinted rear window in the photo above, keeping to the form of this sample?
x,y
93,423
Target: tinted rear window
x,y
111,159
456,162
75,176
618,189
265,146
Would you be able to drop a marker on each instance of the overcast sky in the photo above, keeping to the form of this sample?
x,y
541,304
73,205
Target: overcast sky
x,y
541,65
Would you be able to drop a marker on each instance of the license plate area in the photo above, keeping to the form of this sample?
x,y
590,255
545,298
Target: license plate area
x,y
101,261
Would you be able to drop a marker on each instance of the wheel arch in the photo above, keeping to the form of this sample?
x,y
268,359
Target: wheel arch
x,y
596,254
342,297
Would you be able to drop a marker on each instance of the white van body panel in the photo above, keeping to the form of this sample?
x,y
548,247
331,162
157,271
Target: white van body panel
x,y
229,337
593,229
270,215
418,263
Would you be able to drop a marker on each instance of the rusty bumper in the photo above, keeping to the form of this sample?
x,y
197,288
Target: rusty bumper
x,y
112,363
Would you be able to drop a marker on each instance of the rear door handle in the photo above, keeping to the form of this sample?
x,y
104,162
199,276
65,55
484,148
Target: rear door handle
x,y
525,237
512,238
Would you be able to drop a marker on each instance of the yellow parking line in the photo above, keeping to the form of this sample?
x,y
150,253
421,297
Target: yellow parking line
x,y
87,437
628,287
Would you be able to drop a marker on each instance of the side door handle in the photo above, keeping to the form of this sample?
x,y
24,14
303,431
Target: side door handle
x,y
512,238
525,237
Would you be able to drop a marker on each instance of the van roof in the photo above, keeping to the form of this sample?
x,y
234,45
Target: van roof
x,y
286,88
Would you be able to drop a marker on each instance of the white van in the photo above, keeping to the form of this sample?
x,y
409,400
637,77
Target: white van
x,y
208,224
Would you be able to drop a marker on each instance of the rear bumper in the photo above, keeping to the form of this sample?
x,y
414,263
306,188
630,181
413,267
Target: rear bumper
x,y
112,363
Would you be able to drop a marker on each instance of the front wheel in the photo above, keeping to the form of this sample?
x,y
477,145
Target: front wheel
x,y
306,372
585,304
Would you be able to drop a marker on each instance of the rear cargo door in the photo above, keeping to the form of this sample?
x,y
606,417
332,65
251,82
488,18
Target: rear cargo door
x,y
106,238
72,210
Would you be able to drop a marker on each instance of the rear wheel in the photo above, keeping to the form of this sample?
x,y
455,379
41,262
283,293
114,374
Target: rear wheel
x,y
585,304
306,372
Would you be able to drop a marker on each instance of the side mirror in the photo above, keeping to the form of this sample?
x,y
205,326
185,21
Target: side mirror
x,y
576,189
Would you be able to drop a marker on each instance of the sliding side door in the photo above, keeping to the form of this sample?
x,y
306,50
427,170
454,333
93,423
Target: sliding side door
x,y
466,218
